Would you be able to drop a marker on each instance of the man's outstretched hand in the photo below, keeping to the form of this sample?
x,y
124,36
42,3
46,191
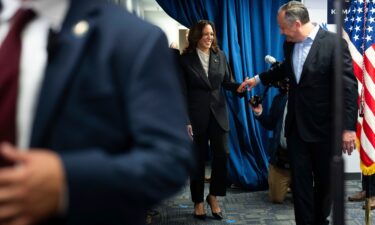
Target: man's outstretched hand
x,y
247,85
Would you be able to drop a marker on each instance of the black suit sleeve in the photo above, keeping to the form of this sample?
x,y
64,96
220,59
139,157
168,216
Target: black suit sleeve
x,y
274,74
229,83
184,87
350,86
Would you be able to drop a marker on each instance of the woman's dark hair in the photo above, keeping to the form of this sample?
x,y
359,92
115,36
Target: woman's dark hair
x,y
196,33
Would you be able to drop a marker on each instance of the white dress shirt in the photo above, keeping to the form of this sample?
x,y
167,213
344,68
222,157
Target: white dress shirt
x,y
33,61
300,52
205,60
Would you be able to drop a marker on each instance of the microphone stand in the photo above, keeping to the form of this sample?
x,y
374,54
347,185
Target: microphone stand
x,y
367,202
337,161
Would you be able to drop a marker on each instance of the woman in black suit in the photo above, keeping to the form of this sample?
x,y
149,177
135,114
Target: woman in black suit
x,y
206,72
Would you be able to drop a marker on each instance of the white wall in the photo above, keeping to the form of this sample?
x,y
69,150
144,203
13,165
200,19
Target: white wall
x,y
318,13
150,11
317,10
165,22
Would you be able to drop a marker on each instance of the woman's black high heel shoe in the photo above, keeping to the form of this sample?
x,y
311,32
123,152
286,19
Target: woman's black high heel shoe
x,y
217,215
199,216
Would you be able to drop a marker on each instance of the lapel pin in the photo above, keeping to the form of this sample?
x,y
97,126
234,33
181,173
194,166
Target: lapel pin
x,y
216,60
81,28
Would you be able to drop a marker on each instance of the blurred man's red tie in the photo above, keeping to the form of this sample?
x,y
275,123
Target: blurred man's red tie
x,y
10,52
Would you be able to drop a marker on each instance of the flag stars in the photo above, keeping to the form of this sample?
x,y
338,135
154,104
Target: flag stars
x,y
356,37
359,23
368,38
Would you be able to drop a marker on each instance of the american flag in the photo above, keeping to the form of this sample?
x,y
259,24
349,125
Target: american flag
x,y
359,26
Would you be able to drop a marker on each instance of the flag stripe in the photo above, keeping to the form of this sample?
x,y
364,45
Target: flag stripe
x,y
368,140
360,35
358,72
356,55
369,92
359,128
366,160
370,55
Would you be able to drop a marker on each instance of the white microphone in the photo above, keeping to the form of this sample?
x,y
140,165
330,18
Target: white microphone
x,y
270,59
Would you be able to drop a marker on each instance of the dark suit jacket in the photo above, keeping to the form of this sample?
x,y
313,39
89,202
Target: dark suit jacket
x,y
310,101
204,94
273,120
111,107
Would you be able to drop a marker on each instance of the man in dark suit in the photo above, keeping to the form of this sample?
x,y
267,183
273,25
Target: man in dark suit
x,y
309,64
108,137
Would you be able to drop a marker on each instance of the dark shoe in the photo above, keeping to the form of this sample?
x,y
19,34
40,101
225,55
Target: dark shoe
x,y
216,215
152,212
372,203
151,216
199,216
357,197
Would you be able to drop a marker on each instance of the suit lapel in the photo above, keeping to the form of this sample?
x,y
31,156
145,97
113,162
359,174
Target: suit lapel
x,y
197,66
289,58
213,66
312,53
70,45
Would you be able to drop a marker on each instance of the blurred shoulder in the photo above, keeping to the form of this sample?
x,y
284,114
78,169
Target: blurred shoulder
x,y
109,17
327,34
185,56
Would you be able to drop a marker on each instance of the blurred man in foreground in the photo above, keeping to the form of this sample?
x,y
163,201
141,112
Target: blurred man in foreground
x,y
96,132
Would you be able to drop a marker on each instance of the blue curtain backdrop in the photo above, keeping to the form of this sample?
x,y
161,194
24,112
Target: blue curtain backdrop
x,y
247,31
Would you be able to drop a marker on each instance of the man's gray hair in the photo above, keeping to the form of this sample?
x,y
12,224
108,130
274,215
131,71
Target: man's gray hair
x,y
295,10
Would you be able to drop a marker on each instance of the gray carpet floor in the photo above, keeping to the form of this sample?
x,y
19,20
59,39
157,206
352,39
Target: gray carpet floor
x,y
242,207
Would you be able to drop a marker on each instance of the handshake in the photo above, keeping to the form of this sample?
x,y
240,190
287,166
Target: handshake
x,y
247,85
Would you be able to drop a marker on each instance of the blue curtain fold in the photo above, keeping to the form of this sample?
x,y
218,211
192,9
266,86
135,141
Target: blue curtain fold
x,y
247,31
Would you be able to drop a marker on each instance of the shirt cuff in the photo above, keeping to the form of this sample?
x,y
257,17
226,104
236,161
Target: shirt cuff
x,y
257,79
